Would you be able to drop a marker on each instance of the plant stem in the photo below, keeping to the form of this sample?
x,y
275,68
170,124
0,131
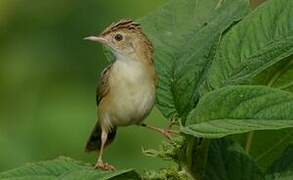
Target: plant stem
x,y
249,141
195,157
219,4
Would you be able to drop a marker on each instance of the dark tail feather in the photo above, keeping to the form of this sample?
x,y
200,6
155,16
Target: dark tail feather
x,y
94,141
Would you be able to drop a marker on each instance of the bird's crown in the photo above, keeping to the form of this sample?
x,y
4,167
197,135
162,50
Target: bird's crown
x,y
122,24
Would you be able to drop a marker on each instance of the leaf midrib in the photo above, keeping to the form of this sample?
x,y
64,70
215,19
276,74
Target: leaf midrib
x,y
235,77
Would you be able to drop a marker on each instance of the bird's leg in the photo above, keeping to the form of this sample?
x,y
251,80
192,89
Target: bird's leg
x,y
100,164
165,132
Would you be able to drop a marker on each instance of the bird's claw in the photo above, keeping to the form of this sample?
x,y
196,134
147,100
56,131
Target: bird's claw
x,y
104,166
168,133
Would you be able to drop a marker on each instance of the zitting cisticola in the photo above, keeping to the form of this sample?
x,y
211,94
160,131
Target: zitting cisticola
x,y
126,90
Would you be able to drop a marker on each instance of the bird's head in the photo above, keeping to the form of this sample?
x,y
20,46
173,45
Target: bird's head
x,y
126,40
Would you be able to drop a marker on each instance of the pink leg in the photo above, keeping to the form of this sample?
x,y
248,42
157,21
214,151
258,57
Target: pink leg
x,y
100,164
165,132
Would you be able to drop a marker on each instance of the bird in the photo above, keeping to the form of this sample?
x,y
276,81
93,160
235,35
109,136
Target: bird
x,y
126,90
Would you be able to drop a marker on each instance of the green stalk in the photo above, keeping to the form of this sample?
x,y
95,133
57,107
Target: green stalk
x,y
249,141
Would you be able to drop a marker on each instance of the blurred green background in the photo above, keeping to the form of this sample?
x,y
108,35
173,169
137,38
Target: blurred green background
x,y
48,77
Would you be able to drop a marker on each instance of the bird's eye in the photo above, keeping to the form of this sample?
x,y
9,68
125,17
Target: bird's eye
x,y
118,37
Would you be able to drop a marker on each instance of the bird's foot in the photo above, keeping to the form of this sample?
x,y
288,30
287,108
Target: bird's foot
x,y
168,133
104,166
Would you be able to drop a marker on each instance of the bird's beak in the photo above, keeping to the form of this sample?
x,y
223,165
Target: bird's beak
x,y
96,39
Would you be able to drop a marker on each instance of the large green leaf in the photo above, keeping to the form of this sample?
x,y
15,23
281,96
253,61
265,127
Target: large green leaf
x,y
282,168
260,40
284,163
240,109
278,76
228,161
184,34
65,169
267,145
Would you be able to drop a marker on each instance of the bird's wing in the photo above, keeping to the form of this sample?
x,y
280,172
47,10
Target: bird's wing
x,y
103,88
103,85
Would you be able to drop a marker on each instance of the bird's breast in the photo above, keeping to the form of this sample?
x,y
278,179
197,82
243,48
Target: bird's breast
x,y
132,91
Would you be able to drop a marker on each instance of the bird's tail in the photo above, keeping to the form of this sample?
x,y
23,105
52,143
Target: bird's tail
x,y
94,141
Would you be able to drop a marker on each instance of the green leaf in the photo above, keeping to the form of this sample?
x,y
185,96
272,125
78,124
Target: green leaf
x,y
282,168
285,176
240,109
278,76
184,34
284,163
259,41
228,161
64,168
266,146
93,175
